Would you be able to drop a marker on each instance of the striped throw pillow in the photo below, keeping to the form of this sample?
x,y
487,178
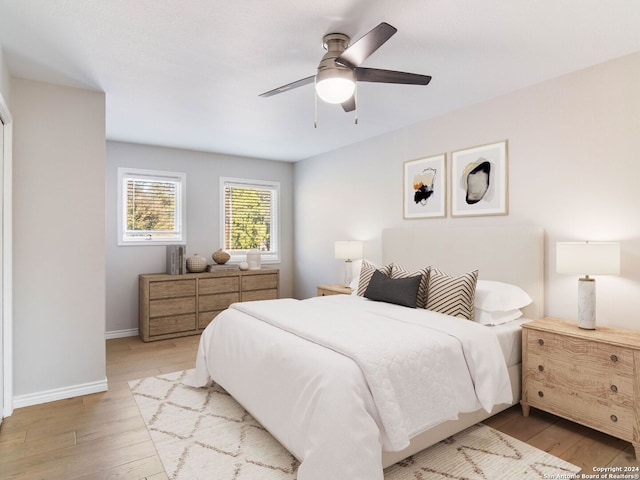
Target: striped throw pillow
x,y
399,272
366,272
452,295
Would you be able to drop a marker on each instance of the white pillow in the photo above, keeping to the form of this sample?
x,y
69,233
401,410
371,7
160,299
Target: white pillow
x,y
499,297
495,318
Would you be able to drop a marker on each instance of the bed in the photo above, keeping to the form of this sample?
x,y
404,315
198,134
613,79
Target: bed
x,y
316,373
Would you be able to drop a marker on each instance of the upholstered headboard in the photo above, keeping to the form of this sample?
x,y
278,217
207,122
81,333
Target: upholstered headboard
x,y
507,254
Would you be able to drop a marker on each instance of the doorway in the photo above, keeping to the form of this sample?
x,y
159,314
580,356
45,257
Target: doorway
x,y
6,325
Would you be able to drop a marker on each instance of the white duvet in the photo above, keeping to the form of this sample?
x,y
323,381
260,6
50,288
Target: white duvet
x,y
337,379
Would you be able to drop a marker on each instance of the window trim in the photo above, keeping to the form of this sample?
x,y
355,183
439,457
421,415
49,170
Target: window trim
x,y
238,256
181,199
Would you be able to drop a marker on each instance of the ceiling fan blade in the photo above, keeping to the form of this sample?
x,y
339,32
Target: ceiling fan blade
x,y
289,86
349,105
390,76
359,51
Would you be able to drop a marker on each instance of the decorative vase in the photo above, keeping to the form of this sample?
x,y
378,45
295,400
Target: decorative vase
x,y
196,263
220,256
253,259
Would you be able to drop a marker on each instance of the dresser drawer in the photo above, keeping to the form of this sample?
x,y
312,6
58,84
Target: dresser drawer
x,y
208,286
598,381
221,301
259,282
590,355
172,324
250,296
205,318
593,412
172,289
172,306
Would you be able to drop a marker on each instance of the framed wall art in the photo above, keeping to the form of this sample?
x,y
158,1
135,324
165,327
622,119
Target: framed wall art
x,y
479,180
424,187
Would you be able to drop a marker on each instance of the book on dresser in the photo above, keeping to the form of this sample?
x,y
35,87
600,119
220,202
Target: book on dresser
x,y
179,305
176,259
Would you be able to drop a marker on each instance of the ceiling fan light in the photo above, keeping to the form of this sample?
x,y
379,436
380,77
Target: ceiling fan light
x,y
335,87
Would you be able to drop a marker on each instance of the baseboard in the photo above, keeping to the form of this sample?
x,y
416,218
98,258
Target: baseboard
x,y
59,394
131,332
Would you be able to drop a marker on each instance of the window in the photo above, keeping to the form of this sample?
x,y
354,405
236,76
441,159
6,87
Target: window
x,y
151,207
249,218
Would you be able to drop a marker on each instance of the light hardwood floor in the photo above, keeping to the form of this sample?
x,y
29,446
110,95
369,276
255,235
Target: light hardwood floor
x,y
102,436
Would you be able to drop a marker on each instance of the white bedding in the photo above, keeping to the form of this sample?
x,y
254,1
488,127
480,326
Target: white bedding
x,y
336,408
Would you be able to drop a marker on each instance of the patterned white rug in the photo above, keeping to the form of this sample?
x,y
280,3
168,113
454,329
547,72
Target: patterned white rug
x,y
203,433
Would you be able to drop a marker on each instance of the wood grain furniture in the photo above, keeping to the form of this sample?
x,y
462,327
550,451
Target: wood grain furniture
x,y
591,377
334,289
178,305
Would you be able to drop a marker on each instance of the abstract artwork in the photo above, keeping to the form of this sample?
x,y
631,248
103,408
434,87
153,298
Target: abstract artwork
x,y
424,187
479,180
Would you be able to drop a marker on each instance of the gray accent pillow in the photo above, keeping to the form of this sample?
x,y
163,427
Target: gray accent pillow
x,y
401,291
399,272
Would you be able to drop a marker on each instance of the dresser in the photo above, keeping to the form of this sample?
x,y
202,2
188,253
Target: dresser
x,y
591,377
172,306
334,289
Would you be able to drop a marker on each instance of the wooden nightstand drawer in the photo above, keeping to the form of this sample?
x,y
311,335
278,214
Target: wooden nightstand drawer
x,y
599,382
335,289
608,417
591,354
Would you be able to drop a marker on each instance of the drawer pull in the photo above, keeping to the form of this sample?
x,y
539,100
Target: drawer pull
x,y
614,418
541,341
614,358
541,368
614,388
541,393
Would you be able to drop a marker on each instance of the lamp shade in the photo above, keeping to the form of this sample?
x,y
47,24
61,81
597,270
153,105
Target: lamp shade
x,y
335,85
588,258
348,249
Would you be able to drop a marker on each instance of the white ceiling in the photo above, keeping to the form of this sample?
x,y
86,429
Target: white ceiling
x,y
188,73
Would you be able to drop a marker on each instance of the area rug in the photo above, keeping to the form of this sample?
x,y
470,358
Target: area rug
x,y
203,433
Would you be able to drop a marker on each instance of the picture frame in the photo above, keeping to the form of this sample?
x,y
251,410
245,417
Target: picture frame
x,y
479,180
424,187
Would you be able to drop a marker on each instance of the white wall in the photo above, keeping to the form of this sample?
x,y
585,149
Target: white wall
x,y
5,80
59,241
574,161
203,170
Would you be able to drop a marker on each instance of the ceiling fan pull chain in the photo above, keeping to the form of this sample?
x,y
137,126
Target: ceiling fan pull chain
x,y
355,110
315,108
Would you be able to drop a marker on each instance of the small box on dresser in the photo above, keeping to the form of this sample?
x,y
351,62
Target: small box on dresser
x,y
172,306
591,377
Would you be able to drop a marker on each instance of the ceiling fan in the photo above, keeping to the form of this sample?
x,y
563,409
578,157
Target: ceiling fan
x,y
339,69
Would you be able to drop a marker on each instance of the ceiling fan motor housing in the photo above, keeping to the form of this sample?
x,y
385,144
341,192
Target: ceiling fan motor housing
x,y
334,44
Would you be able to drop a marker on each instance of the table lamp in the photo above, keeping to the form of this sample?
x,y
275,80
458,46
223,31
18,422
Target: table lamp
x,y
587,258
348,250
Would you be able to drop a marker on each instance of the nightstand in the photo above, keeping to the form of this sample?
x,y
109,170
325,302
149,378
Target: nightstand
x,y
590,377
335,289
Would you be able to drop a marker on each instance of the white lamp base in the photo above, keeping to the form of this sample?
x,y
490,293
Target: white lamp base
x,y
348,272
587,303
